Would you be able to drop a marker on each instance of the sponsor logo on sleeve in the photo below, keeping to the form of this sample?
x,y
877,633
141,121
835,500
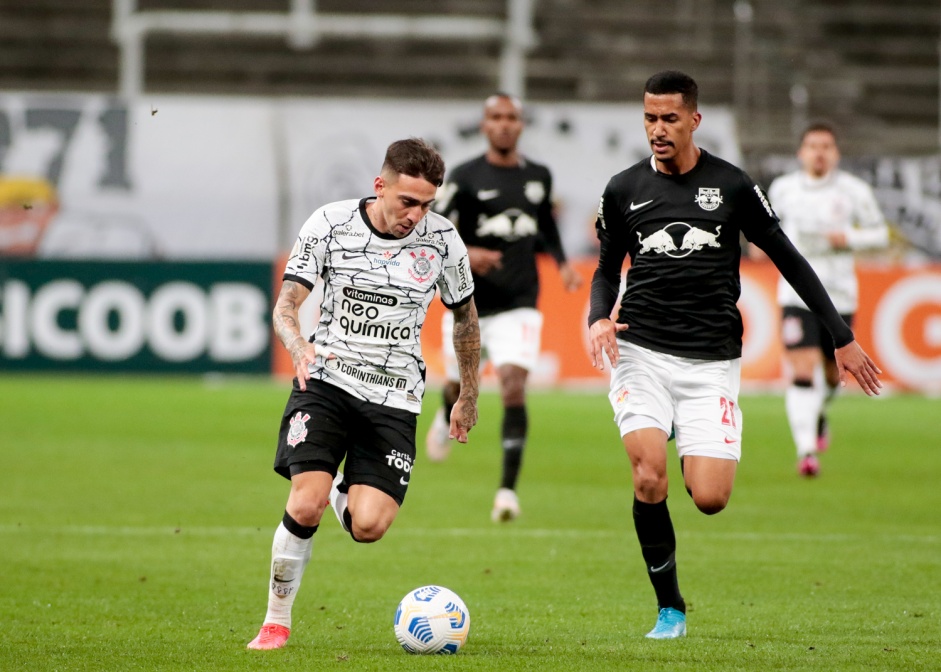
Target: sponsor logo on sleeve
x,y
764,201
307,245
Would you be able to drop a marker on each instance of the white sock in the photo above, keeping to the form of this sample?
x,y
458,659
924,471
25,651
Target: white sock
x,y
289,556
803,406
339,506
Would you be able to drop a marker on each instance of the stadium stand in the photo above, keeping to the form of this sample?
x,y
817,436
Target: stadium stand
x,y
870,66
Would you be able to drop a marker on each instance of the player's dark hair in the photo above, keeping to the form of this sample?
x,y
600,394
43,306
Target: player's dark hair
x,y
820,127
673,81
416,158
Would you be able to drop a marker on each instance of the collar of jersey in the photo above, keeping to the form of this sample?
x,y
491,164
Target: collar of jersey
x,y
682,176
376,232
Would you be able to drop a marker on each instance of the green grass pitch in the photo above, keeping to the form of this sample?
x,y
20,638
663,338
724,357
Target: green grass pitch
x,y
136,517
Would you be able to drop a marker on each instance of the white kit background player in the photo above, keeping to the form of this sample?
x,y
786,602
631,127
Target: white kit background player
x,y
828,214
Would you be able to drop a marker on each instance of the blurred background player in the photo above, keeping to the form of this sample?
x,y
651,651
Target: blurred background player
x,y
360,376
828,214
501,203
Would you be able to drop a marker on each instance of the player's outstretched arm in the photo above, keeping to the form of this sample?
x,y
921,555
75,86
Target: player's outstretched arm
x,y
287,327
467,350
854,359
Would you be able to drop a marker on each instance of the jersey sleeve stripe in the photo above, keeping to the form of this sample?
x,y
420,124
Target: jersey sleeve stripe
x,y
452,306
299,280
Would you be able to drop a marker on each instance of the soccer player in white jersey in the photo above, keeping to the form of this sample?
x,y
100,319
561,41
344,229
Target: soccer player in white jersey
x,y
676,346
501,202
360,375
828,214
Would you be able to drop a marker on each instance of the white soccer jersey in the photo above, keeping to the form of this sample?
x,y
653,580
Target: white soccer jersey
x,y
376,294
811,208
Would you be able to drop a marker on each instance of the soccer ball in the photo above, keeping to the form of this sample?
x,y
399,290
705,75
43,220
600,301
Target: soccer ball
x,y
432,619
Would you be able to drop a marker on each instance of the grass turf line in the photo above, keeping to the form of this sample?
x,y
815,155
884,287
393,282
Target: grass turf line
x,y
137,514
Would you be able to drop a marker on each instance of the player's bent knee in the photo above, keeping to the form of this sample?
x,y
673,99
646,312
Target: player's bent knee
x,y
711,503
368,533
307,513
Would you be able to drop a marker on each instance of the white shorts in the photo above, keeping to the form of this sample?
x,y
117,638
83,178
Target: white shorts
x,y
698,398
513,337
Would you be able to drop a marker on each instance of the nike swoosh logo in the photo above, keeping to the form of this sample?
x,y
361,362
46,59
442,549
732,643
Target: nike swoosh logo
x,y
403,481
660,568
347,255
728,440
487,194
638,206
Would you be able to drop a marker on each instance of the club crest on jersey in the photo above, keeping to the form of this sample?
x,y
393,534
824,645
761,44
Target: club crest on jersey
x,y
421,268
535,191
709,198
298,429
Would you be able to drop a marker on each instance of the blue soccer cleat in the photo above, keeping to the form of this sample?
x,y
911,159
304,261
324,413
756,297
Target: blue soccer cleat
x,y
671,624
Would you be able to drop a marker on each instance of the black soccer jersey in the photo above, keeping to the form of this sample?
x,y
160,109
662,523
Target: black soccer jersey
x,y
505,209
682,234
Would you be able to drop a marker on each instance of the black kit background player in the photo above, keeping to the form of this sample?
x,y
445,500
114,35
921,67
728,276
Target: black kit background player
x,y
501,203
677,344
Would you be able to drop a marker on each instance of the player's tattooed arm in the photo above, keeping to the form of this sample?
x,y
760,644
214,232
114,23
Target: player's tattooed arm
x,y
287,327
467,350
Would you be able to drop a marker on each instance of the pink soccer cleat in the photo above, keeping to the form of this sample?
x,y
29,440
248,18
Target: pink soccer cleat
x,y
808,466
271,636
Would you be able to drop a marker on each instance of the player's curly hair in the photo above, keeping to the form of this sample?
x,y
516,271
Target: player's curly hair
x,y
416,158
674,81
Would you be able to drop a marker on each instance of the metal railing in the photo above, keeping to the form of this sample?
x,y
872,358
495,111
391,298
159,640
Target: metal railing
x,y
303,26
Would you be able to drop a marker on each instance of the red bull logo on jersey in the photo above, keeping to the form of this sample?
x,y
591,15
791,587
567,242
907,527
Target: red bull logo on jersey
x,y
664,241
709,198
695,239
298,430
511,224
621,397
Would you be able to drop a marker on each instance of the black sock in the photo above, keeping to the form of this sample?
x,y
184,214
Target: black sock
x,y
449,394
447,405
514,441
295,528
658,546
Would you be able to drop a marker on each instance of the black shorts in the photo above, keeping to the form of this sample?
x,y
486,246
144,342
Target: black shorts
x,y
800,328
324,424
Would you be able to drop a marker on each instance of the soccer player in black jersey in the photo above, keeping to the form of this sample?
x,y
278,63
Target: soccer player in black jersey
x,y
501,203
676,345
